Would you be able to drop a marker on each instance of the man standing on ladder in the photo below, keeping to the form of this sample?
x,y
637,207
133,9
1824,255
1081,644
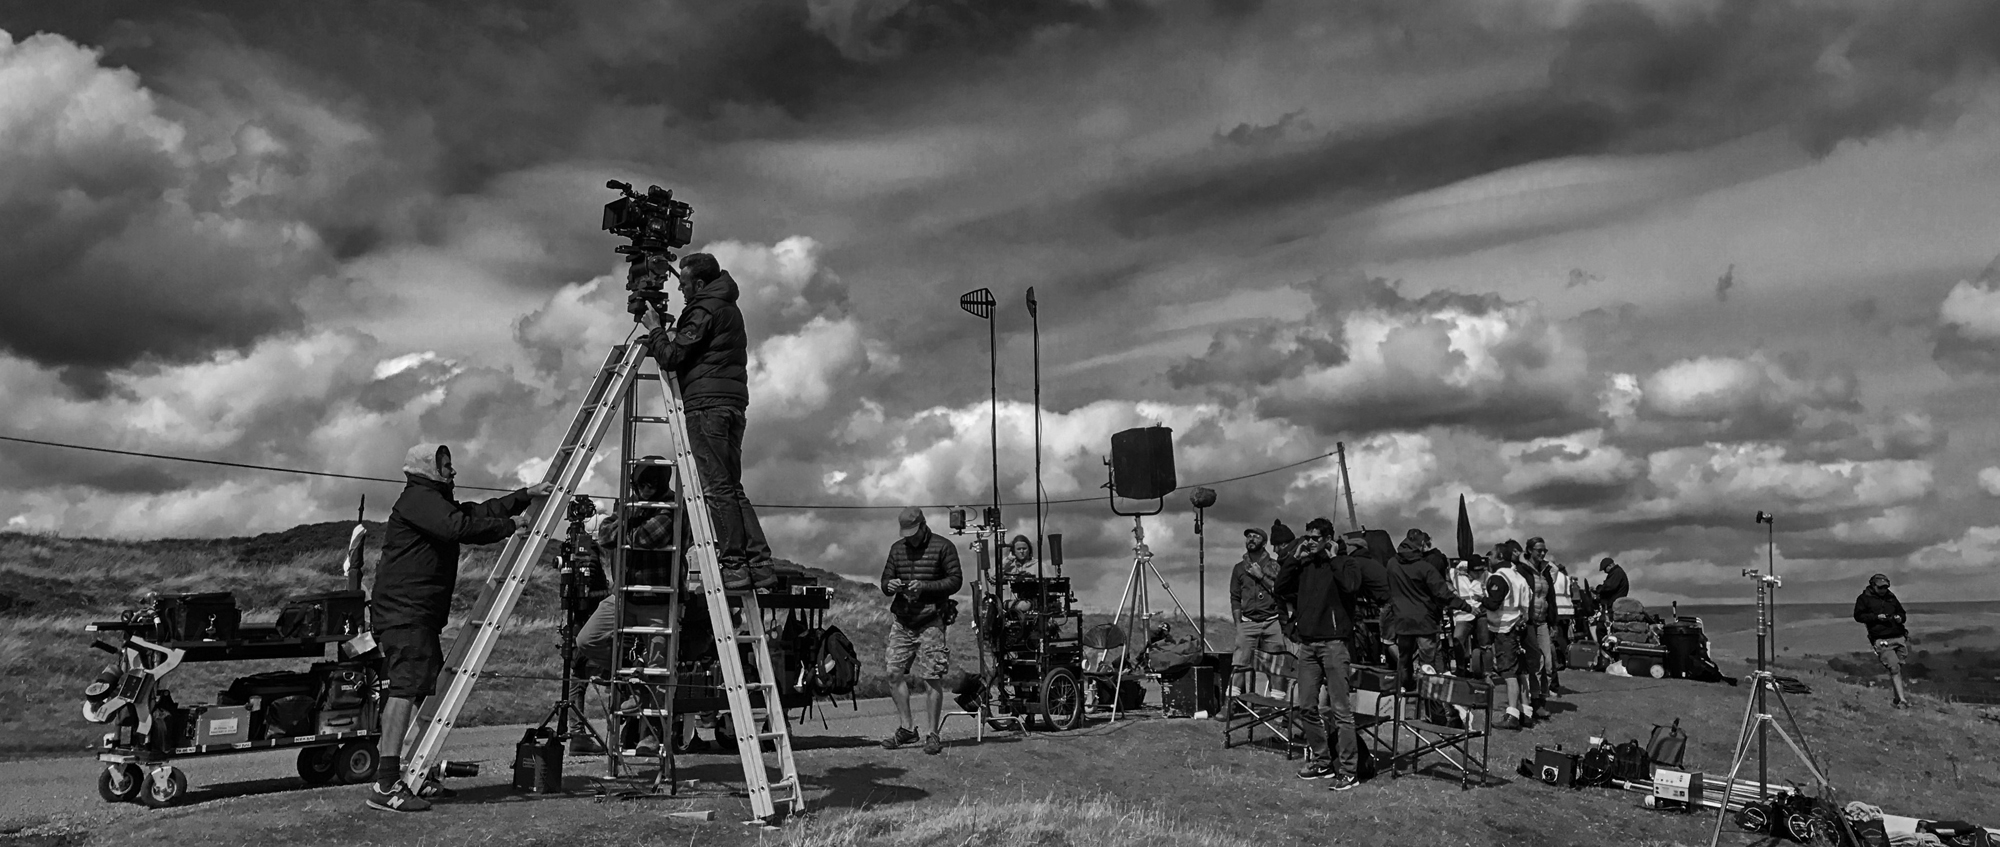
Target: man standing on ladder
x,y
707,351
921,574
412,597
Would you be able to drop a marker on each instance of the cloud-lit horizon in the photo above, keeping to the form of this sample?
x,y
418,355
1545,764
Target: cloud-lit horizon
x,y
1619,273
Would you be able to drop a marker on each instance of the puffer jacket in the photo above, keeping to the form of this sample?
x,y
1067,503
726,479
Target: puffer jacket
x,y
1870,604
708,350
931,561
419,568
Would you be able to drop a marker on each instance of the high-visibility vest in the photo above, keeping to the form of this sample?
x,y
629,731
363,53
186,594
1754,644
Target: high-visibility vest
x,y
1515,606
1470,588
1565,602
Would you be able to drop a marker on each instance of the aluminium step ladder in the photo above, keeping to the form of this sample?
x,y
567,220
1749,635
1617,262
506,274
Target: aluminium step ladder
x,y
613,389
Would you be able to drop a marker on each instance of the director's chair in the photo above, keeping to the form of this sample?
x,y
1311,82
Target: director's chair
x,y
1454,724
1268,705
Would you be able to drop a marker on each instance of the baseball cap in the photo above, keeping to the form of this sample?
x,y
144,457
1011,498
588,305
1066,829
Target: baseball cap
x,y
911,518
1605,561
1880,577
1256,532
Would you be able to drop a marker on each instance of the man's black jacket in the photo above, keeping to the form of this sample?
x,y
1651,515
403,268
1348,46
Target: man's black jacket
x,y
1870,605
1321,591
1613,587
419,567
708,350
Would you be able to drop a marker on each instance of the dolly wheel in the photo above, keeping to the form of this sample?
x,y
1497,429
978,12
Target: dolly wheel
x,y
356,760
318,765
160,793
120,783
1657,671
1062,700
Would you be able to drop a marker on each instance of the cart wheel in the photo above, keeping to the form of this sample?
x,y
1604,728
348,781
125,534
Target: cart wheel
x,y
356,760
1062,700
319,765
120,783
1657,671
1753,818
160,795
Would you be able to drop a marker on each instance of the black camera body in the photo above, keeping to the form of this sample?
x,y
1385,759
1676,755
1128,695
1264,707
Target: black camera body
x,y
580,509
657,224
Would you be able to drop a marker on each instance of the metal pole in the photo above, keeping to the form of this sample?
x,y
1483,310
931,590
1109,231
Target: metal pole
x,y
1345,484
1035,321
993,366
1201,579
1771,567
1763,630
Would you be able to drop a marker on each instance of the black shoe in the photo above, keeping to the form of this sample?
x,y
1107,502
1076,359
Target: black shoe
x,y
933,745
1317,770
586,745
398,799
435,790
903,736
1342,782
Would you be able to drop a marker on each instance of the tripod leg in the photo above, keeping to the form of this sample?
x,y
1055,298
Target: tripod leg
x,y
1750,720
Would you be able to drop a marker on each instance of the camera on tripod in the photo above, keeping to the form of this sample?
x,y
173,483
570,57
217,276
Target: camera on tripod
x,y
580,509
657,224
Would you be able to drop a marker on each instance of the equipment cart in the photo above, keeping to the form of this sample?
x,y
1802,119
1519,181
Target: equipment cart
x,y
145,742
1036,634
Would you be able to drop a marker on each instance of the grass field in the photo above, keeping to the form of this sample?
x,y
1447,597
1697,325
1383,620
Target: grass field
x,y
1148,781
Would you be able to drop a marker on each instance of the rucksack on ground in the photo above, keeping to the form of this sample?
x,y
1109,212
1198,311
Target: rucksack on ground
x,y
837,670
1667,745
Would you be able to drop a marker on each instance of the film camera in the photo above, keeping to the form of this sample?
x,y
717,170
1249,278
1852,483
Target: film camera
x,y
657,224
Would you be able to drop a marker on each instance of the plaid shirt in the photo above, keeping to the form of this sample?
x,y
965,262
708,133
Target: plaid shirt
x,y
652,540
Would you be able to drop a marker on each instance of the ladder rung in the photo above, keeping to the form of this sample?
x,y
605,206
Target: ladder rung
x,y
650,504
650,463
648,589
667,549
771,736
749,639
645,376
641,672
646,630
656,713
650,419
787,782
635,754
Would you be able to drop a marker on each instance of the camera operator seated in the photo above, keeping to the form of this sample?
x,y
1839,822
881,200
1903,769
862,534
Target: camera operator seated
x,y
648,561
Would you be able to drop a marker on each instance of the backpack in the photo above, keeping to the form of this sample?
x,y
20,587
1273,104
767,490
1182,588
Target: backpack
x,y
837,670
1667,745
1594,769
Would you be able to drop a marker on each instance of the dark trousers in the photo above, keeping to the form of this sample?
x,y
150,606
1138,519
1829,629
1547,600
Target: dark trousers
x,y
1325,663
1412,653
716,436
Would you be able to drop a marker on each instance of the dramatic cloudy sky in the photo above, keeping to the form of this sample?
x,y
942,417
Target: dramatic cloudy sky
x,y
1620,273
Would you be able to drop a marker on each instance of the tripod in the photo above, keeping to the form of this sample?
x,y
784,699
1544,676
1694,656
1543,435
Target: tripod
x,y
1137,602
575,591
1757,716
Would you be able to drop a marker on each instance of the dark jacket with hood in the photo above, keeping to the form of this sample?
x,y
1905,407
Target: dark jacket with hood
x,y
708,349
1251,585
1321,590
1613,587
419,567
931,561
1870,604
1418,594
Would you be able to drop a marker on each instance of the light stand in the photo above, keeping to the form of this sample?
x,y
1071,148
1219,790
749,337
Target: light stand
x,y
1201,499
1757,714
1035,323
1771,567
574,590
980,304
1135,598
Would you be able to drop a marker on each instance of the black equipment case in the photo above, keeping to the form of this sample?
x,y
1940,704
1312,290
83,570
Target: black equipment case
x,y
211,616
320,615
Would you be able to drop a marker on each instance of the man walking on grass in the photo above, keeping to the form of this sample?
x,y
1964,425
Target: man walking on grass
x,y
1321,588
412,597
921,575
1882,613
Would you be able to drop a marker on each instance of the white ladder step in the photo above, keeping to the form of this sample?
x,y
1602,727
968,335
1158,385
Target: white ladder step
x,y
637,463
651,419
646,630
648,589
650,504
641,672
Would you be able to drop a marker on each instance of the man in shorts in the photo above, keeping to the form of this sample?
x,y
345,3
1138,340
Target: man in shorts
x,y
412,597
921,574
1879,610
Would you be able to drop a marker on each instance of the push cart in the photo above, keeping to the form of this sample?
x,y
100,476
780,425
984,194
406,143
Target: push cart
x,y
140,753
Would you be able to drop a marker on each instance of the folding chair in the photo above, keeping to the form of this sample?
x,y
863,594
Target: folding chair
x,y
1268,705
1442,701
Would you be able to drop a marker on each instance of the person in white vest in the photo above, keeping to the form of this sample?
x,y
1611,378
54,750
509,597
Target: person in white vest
x,y
1508,593
1468,581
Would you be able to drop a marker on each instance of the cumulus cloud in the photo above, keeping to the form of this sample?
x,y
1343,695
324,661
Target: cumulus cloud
x,y
1977,549
1728,480
1968,326
1745,397
146,228
1579,469
1369,359
1989,480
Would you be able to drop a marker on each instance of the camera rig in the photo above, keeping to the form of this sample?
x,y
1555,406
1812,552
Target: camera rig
x,y
657,225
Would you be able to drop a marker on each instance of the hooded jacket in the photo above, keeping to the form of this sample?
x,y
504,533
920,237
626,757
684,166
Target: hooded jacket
x,y
1614,586
1418,593
1321,591
419,567
708,349
1870,604
931,561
